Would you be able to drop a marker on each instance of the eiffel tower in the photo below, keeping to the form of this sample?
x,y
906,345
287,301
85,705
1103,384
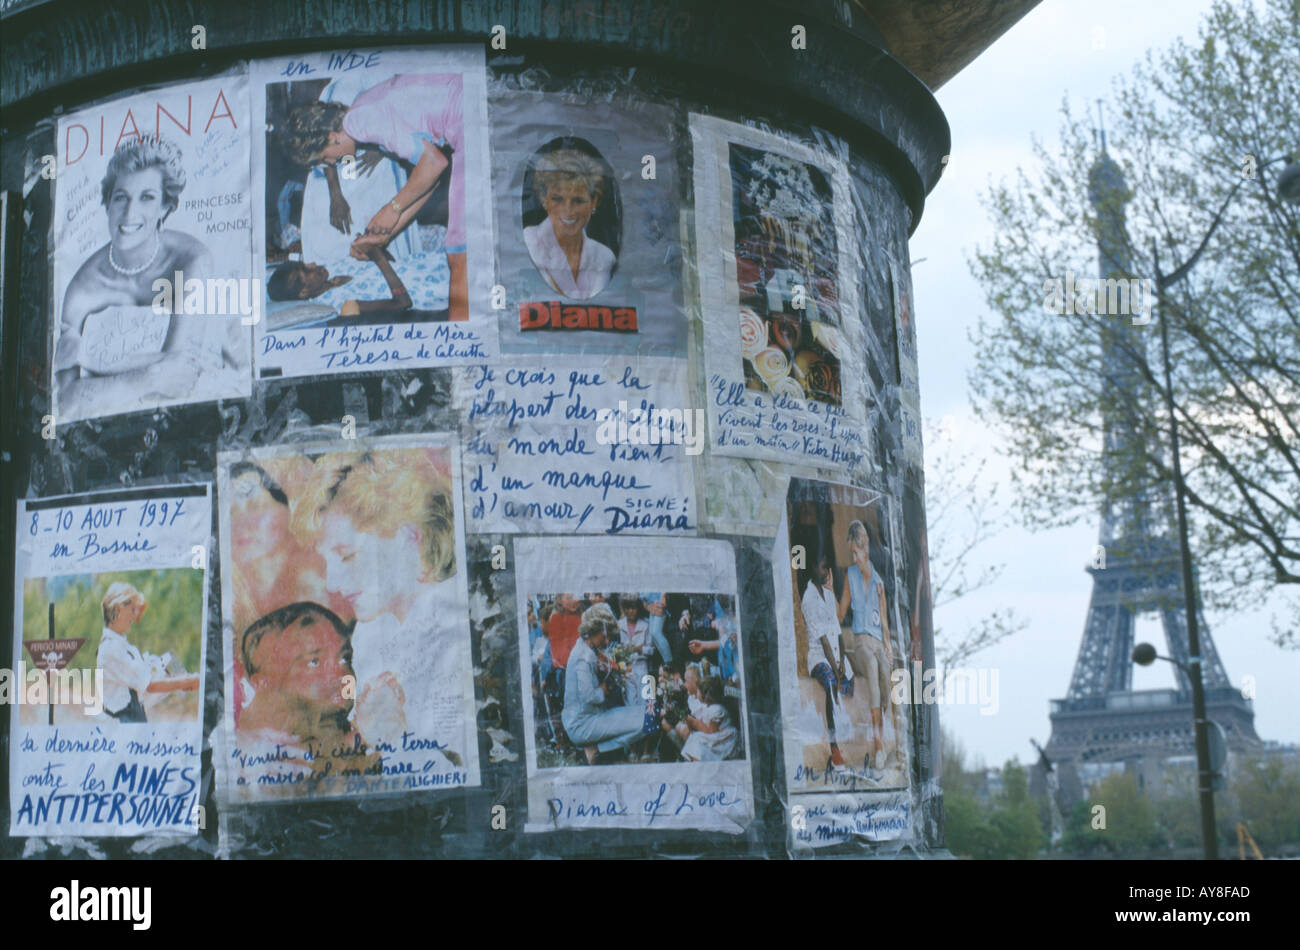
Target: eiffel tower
x,y
1136,569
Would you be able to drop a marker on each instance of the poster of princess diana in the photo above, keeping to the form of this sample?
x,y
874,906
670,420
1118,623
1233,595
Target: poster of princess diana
x,y
846,735
152,259
585,197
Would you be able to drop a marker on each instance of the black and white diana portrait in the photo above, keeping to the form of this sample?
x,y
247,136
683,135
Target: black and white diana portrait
x,y
112,343
153,251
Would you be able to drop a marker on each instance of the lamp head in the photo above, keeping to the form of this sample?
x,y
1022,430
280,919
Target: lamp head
x,y
1144,654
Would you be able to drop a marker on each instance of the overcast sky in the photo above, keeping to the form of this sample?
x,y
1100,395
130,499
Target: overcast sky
x,y
1011,93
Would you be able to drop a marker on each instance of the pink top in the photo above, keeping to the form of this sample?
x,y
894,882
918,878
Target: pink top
x,y
401,114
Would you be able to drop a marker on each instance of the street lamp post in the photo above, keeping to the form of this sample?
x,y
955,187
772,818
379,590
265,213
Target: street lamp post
x,y
1204,780
1288,190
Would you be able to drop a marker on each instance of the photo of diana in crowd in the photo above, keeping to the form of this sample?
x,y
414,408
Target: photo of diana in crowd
x,y
628,678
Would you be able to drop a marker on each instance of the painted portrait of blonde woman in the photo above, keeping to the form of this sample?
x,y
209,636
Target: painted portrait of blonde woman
x,y
384,523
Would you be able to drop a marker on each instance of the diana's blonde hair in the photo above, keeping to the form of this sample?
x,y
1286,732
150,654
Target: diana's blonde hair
x,y
147,151
565,166
119,595
598,618
382,492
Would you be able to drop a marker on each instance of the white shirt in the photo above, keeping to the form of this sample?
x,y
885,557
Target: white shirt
x,y
696,706
712,746
427,655
636,636
593,267
821,618
124,670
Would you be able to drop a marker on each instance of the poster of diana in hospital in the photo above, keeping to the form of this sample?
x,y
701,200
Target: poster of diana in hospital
x,y
374,224
152,261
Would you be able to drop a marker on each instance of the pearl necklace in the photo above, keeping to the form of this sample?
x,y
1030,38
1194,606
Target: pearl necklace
x,y
131,272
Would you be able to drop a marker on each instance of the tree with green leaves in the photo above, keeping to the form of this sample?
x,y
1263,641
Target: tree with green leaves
x,y
1082,838
1004,825
1130,829
1017,830
1178,810
966,826
1266,797
1194,132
